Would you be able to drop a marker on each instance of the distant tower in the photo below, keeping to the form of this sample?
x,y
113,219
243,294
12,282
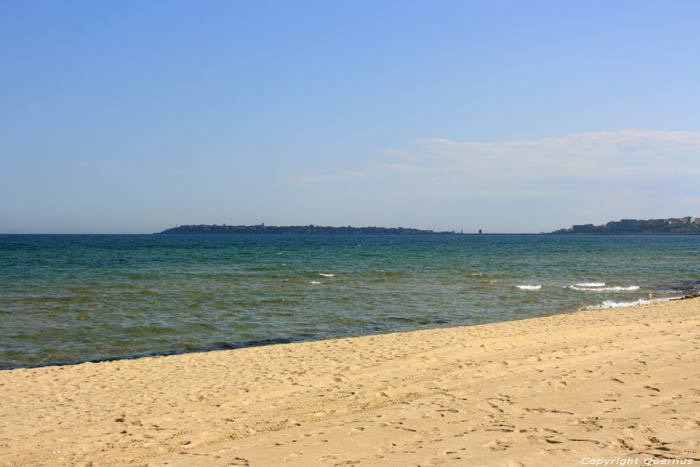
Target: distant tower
x,y
479,231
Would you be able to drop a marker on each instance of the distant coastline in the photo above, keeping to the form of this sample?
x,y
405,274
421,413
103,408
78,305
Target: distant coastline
x,y
670,226
298,229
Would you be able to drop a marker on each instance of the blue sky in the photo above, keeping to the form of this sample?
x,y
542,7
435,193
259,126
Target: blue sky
x,y
132,117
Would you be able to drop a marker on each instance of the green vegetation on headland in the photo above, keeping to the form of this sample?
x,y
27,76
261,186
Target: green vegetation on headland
x,y
301,229
671,226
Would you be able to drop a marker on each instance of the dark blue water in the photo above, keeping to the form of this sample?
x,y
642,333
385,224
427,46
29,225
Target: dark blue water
x,y
69,298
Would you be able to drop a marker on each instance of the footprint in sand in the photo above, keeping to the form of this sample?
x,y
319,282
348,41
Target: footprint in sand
x,y
496,445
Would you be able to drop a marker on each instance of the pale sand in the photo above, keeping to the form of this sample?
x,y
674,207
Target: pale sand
x,y
542,392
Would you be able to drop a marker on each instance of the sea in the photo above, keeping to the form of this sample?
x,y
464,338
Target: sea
x,y
75,298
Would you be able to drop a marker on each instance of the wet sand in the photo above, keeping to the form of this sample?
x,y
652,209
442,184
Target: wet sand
x,y
563,390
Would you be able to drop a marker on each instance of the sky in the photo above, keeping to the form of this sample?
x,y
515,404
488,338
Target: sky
x,y
506,116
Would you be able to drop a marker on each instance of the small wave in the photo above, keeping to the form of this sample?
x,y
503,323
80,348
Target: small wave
x,y
591,284
529,287
314,283
326,275
607,304
606,289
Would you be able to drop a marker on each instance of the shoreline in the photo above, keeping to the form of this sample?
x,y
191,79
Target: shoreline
x,y
282,341
610,383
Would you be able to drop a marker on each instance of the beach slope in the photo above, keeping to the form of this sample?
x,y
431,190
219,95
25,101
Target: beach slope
x,y
562,390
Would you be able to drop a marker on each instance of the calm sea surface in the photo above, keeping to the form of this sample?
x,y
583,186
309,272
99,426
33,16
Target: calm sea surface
x,y
70,298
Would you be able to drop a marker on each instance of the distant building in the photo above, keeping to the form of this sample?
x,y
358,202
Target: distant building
x,y
683,226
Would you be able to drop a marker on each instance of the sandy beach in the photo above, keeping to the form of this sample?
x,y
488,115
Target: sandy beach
x,y
572,389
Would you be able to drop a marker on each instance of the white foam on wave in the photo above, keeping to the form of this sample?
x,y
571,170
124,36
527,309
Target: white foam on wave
x,y
591,284
326,275
607,304
529,287
630,288
314,283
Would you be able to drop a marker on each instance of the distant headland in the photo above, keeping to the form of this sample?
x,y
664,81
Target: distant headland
x,y
671,226
298,229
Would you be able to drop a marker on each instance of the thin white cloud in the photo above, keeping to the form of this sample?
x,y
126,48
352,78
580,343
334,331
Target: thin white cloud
x,y
604,155
597,155
525,185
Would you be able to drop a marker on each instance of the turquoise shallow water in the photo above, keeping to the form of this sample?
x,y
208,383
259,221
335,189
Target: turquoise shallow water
x,y
71,298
